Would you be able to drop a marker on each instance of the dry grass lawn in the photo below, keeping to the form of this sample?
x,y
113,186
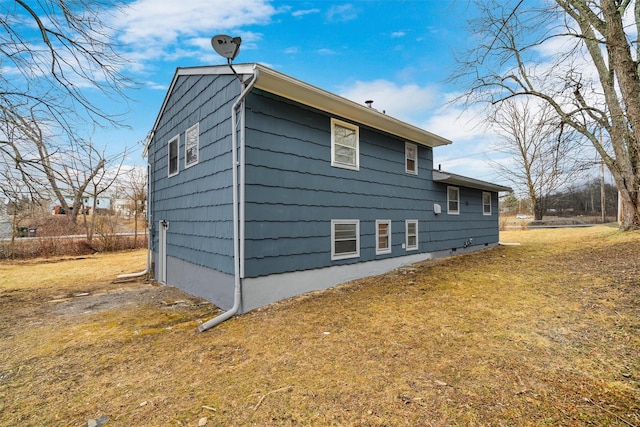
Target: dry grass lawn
x,y
546,333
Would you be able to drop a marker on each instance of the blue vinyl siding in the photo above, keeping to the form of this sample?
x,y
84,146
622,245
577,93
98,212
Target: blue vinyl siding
x,y
293,192
197,202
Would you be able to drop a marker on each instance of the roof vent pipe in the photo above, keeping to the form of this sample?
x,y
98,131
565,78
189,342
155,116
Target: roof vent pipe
x,y
369,102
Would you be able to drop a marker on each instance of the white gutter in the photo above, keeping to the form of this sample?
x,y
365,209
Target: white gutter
x,y
237,262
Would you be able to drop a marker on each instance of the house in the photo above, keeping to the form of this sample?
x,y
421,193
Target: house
x,y
272,187
103,204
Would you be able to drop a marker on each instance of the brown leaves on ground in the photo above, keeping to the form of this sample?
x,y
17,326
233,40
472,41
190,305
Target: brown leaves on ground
x,y
546,333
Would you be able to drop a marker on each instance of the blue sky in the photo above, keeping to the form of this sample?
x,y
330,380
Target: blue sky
x,y
398,53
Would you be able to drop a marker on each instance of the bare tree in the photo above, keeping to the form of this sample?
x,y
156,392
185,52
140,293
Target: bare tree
x,y
73,169
53,52
133,186
542,155
106,173
579,57
19,158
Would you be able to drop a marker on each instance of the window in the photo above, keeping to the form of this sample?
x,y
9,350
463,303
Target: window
x,y
344,145
411,226
486,203
173,156
453,200
411,158
345,238
383,236
191,143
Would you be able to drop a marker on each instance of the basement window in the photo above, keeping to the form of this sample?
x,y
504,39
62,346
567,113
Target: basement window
x,y
172,154
383,236
344,145
411,231
486,203
345,238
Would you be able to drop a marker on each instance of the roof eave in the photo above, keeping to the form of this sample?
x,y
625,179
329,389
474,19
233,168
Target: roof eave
x,y
296,90
464,181
304,93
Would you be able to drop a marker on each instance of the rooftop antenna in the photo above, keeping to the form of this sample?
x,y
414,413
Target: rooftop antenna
x,y
227,47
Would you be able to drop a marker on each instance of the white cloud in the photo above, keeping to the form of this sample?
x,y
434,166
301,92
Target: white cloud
x,y
325,51
410,102
299,13
342,13
155,86
151,28
455,123
397,34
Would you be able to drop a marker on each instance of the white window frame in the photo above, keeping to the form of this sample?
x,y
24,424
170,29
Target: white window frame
x,y
380,250
485,204
176,140
457,201
192,141
409,247
344,255
407,148
334,162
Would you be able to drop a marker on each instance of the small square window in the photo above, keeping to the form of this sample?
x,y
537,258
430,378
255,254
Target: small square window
x,y
411,231
383,236
453,200
411,158
192,145
173,156
344,145
345,238
486,203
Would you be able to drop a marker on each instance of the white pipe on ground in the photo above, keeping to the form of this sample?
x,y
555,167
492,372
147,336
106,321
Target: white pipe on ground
x,y
131,275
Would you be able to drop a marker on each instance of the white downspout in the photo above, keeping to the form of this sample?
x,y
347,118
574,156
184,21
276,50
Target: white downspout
x,y
237,295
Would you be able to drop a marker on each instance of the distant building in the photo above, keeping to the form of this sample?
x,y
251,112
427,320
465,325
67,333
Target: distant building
x,y
103,204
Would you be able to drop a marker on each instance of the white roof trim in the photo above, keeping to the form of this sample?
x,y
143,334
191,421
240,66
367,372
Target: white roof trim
x,y
463,181
304,93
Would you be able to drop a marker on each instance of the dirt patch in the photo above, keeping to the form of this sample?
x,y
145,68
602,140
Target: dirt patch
x,y
87,303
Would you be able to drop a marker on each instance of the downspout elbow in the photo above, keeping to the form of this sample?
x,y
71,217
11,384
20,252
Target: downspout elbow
x,y
237,297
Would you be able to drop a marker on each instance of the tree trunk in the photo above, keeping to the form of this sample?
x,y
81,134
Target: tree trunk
x,y
627,147
538,211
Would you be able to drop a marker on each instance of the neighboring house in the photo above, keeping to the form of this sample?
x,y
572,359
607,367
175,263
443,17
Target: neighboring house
x,y
276,187
123,207
103,204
